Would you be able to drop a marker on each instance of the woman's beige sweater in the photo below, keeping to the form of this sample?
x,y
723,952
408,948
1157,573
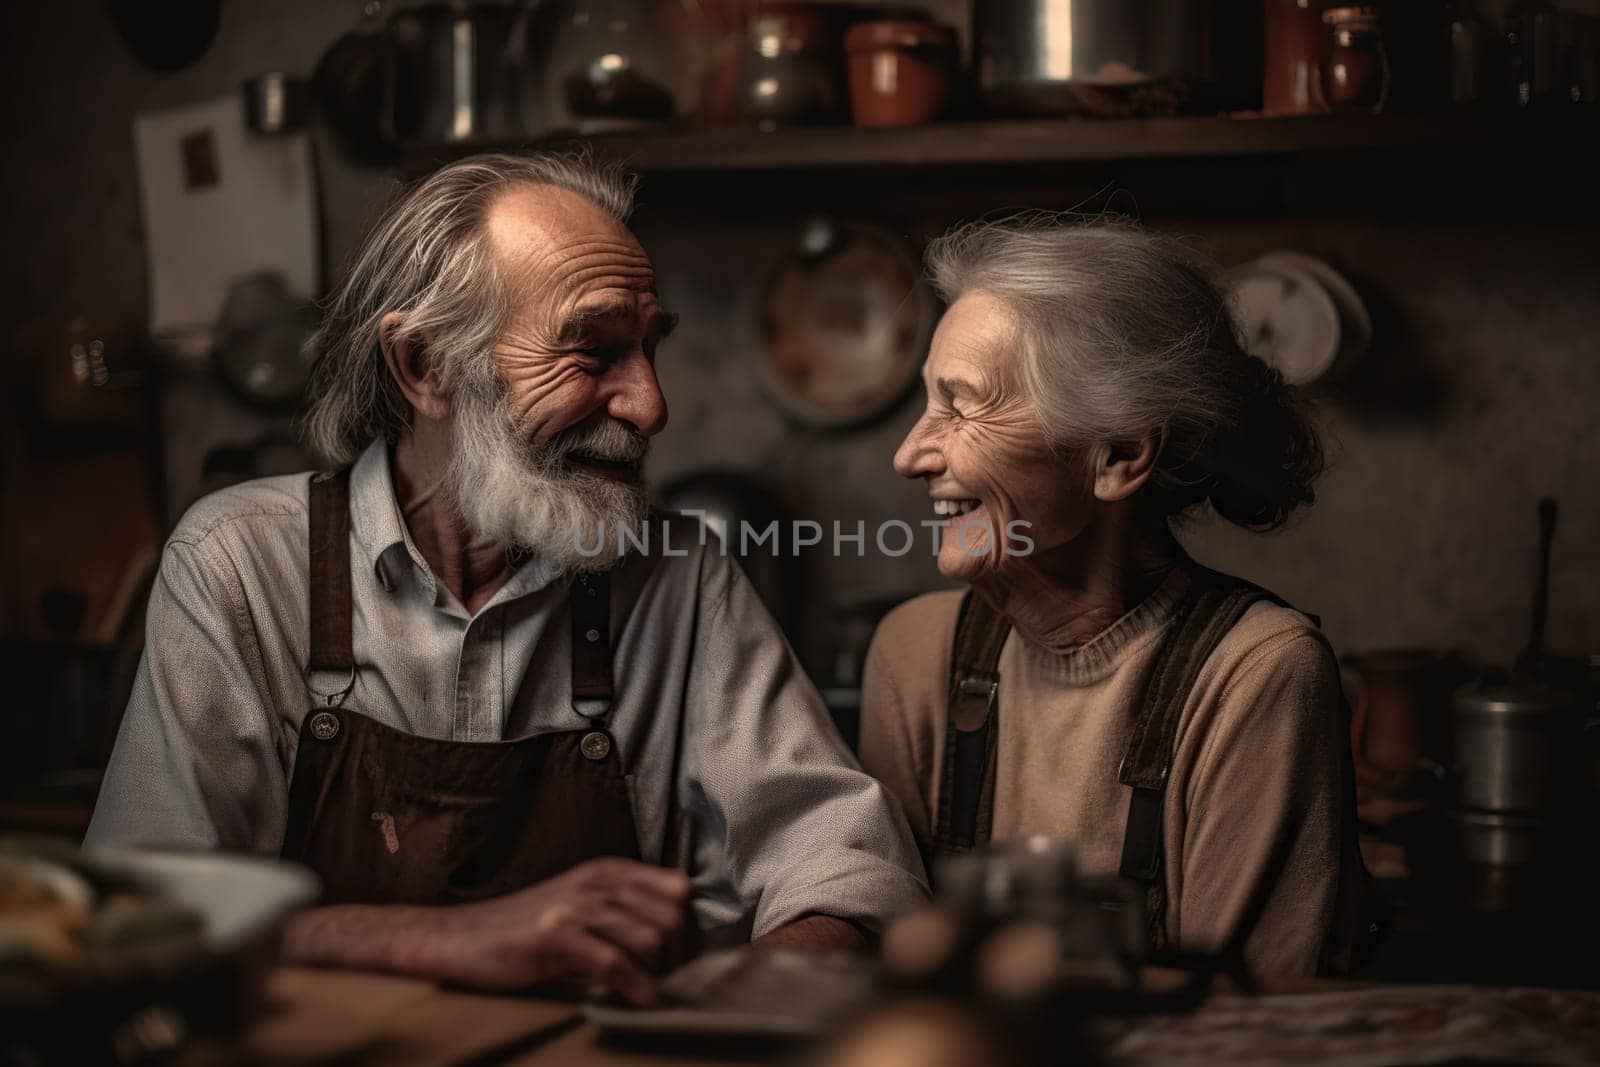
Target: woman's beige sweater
x,y
1252,806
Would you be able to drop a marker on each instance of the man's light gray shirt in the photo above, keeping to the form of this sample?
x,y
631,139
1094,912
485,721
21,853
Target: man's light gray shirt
x,y
736,772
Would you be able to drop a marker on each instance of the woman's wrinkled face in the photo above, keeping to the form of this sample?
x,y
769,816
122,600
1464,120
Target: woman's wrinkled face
x,y
994,479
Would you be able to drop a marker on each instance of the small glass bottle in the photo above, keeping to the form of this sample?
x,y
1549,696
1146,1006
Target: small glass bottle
x,y
1468,41
1533,40
1355,64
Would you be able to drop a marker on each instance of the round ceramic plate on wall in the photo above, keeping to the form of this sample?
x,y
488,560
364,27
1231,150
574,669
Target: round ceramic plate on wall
x,y
845,324
1355,321
1299,314
1285,317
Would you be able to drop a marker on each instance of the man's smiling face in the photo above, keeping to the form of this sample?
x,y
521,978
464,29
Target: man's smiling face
x,y
548,442
584,325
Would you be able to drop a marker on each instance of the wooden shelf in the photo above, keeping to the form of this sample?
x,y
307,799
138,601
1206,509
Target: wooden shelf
x,y
1448,167
997,143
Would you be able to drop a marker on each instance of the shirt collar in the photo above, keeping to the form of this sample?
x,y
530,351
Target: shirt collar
x,y
375,520
386,543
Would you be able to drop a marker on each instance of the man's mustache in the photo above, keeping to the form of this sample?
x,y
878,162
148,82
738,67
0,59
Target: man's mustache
x,y
604,438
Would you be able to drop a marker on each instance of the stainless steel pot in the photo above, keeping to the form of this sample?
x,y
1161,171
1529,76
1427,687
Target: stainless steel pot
x,y
1499,840
1050,55
458,62
1504,741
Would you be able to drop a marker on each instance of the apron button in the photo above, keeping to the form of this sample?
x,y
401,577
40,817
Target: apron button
x,y
595,746
324,726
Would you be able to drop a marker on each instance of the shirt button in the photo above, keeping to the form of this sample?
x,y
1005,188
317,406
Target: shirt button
x,y
324,726
595,746
591,635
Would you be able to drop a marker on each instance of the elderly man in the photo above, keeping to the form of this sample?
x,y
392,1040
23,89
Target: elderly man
x,y
510,758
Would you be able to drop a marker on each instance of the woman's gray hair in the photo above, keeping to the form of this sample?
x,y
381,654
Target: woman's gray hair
x,y
429,258
1123,332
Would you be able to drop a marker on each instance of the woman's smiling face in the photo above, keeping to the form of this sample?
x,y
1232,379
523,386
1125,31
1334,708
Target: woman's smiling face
x,y
983,450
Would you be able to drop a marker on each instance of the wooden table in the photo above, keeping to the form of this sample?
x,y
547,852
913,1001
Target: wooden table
x,y
316,1016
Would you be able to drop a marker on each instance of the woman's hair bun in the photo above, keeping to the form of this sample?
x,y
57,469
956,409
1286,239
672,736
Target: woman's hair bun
x,y
1267,462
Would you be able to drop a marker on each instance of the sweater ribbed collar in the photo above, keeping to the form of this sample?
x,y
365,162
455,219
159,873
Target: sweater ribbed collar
x,y
1102,654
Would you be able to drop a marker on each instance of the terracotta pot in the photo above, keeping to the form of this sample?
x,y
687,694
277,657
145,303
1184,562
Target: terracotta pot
x,y
900,71
1291,84
1386,724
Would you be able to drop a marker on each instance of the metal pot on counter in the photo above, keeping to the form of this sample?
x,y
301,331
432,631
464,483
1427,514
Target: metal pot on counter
x,y
1504,744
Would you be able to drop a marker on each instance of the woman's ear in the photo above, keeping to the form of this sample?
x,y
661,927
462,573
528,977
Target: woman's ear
x,y
1122,467
408,363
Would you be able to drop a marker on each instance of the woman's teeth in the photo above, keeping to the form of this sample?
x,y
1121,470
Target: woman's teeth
x,y
946,508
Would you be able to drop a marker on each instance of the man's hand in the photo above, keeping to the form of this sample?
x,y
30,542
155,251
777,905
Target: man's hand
x,y
608,921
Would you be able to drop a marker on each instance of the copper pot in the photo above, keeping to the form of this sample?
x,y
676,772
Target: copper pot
x,y
900,71
1386,719
1291,84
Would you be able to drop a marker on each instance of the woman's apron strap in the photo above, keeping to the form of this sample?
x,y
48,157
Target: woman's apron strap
x,y
1210,607
966,791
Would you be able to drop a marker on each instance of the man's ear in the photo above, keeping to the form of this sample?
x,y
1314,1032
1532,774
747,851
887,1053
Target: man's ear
x,y
408,363
1122,467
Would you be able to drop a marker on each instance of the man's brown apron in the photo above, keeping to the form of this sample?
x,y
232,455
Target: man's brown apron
x,y
386,817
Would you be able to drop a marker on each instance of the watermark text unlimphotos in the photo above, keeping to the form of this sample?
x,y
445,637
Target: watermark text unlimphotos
x,y
975,537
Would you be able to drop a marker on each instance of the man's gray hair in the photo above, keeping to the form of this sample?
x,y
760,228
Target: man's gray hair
x,y
1122,332
429,258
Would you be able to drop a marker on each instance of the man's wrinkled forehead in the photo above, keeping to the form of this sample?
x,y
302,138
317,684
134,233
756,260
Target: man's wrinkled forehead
x,y
552,239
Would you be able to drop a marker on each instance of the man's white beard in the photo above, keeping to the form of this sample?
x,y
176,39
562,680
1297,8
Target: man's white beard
x,y
528,496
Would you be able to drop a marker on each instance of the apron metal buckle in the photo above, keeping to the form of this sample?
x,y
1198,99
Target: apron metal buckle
x,y
331,698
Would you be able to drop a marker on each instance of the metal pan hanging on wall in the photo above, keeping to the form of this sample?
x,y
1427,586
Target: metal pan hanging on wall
x,y
845,322
166,36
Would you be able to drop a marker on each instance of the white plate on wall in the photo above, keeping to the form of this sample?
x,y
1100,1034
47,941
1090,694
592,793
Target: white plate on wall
x,y
1299,314
1355,321
1286,317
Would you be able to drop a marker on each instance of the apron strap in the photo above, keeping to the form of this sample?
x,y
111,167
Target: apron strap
x,y
330,573
332,615
590,602
966,792
1210,607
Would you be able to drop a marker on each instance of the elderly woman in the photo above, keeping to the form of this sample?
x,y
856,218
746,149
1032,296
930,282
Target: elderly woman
x,y
1086,391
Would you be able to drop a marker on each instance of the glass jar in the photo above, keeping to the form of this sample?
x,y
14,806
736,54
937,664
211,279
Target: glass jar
x,y
613,64
794,65
1355,64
